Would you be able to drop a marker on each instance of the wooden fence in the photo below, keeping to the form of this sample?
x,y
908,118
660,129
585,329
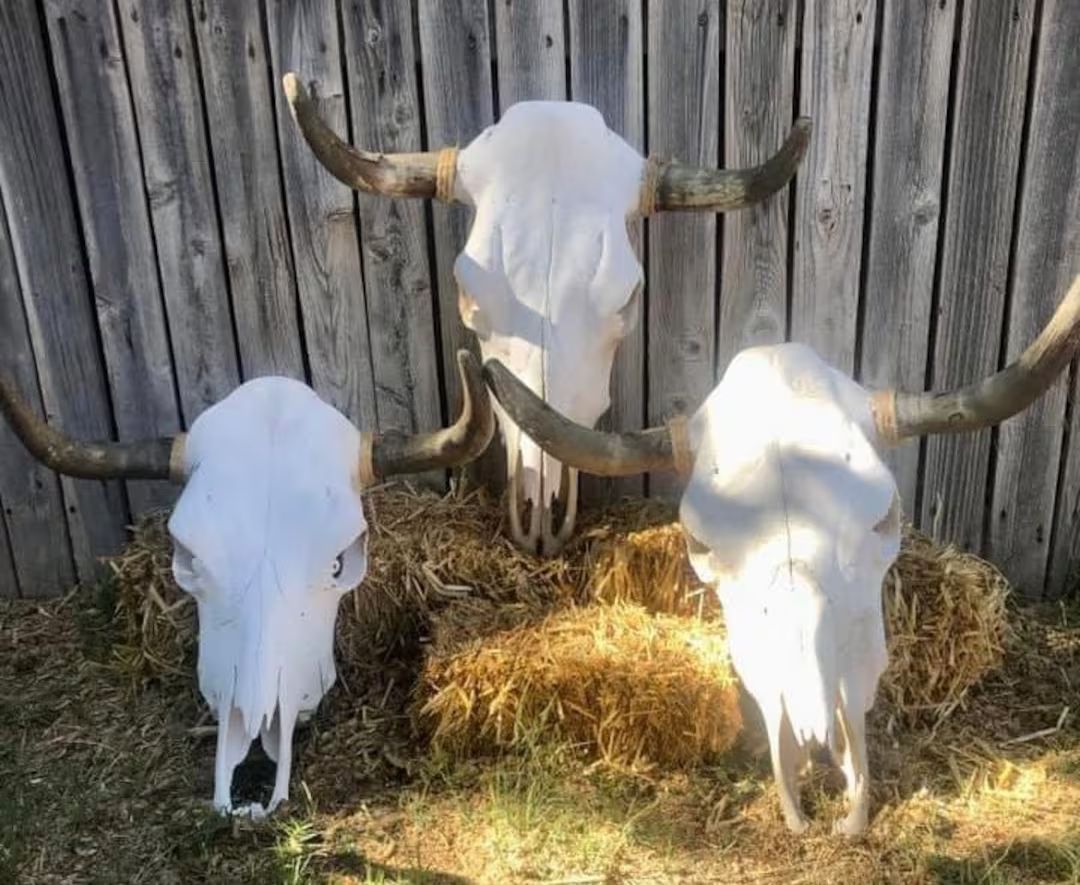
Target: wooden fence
x,y
166,234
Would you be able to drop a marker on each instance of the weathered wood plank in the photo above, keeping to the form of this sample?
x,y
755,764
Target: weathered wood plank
x,y
168,108
386,116
830,192
758,99
455,48
34,185
909,151
988,122
530,50
9,586
304,38
243,140
683,123
96,104
607,71
33,505
1047,257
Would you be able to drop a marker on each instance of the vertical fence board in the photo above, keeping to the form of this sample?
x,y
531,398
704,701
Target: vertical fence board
x,y
606,71
909,150
684,123
33,506
837,58
99,120
455,48
1046,259
530,51
386,117
240,112
34,186
759,94
988,121
304,39
168,108
9,587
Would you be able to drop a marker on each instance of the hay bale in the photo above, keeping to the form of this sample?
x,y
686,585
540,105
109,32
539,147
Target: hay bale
x,y
441,566
624,685
946,624
155,621
650,568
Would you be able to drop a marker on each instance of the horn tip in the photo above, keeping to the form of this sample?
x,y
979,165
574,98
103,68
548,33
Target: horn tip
x,y
467,360
294,89
800,132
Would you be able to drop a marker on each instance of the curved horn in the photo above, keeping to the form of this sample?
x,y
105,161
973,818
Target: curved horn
x,y
993,399
393,175
594,451
463,441
147,459
718,190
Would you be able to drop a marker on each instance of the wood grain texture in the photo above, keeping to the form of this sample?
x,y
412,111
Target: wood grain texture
x,y
99,120
683,123
169,110
830,192
607,71
455,52
988,122
758,103
240,113
304,39
43,229
909,152
386,116
531,55
30,493
1047,257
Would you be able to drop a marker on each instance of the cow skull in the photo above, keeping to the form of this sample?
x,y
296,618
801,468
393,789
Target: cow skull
x,y
268,534
548,279
791,515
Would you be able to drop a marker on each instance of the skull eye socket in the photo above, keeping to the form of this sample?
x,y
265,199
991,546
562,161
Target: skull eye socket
x,y
350,564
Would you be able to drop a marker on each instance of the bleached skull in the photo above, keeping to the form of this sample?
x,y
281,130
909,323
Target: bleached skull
x,y
791,515
548,279
268,534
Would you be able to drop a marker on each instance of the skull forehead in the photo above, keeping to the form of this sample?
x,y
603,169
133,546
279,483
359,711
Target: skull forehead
x,y
785,468
553,187
551,149
272,473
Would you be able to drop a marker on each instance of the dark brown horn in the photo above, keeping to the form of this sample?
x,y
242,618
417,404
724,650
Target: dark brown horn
x,y
696,188
463,441
393,175
148,459
990,401
594,451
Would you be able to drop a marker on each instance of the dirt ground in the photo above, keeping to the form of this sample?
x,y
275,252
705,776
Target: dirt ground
x,y
107,774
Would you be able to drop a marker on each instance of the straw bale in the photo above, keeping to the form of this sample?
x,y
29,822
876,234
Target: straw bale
x,y
156,620
442,573
946,622
622,684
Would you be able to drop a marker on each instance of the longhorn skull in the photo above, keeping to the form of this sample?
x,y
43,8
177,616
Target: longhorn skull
x,y
268,534
548,279
791,515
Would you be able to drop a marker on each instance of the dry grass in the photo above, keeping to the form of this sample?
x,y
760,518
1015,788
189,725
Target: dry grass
x,y
106,759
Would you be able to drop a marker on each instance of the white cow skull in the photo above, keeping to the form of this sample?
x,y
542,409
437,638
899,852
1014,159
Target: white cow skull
x,y
791,515
548,279
268,534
